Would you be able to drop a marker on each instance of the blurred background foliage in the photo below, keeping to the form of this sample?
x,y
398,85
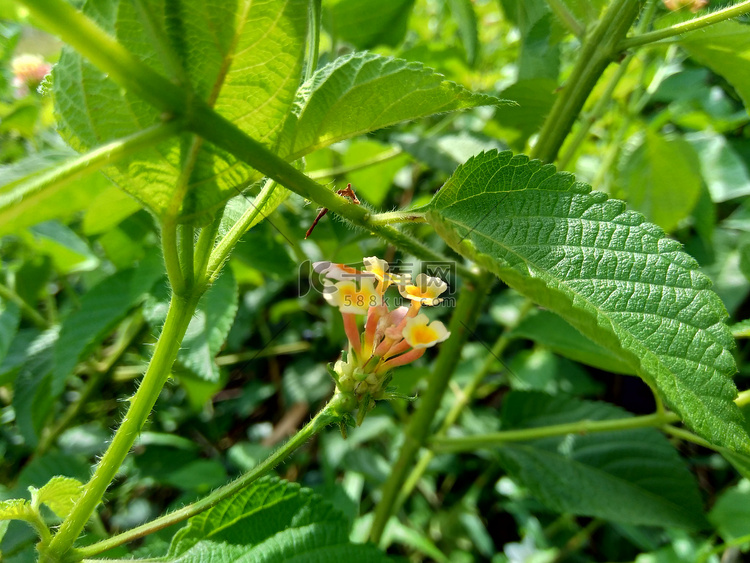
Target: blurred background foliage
x,y
83,292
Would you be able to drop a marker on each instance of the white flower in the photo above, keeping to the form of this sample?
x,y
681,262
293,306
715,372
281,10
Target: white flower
x,y
419,332
425,290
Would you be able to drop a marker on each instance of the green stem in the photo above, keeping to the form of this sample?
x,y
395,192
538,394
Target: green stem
x,y
187,250
594,115
341,170
734,542
205,246
559,8
464,317
225,135
26,310
248,220
688,436
25,195
463,398
392,217
743,398
93,43
494,439
330,414
178,317
313,37
598,50
86,37
679,29
170,250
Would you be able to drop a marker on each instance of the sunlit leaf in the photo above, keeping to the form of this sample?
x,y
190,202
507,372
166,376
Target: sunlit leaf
x,y
244,59
613,276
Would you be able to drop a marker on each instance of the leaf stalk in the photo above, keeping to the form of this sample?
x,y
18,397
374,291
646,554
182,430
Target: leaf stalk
x,y
685,27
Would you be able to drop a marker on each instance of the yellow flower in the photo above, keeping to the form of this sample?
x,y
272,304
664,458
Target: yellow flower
x,y
419,332
425,290
351,297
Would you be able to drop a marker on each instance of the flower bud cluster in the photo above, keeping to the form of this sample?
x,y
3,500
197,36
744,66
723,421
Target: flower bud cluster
x,y
388,338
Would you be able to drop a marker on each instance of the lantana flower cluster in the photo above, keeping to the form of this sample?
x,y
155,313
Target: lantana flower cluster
x,y
28,73
388,338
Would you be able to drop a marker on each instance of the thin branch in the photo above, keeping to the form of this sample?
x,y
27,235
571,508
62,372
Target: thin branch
x,y
341,170
679,29
472,443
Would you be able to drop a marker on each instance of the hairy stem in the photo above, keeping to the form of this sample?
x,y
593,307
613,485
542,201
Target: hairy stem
x,y
691,25
598,50
393,217
330,414
251,217
416,434
178,317
170,250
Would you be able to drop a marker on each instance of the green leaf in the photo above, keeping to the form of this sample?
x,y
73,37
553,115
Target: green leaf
x,y
731,513
554,333
367,23
363,92
107,210
69,253
723,170
264,249
209,327
17,509
106,304
466,18
617,279
661,178
60,494
271,520
723,47
629,476
243,58
32,397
